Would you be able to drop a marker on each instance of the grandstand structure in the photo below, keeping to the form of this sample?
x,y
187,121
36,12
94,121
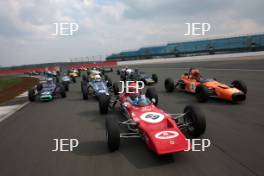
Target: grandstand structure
x,y
201,47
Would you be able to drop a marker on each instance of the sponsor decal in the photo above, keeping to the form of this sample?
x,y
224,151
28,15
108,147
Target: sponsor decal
x,y
166,135
101,91
152,117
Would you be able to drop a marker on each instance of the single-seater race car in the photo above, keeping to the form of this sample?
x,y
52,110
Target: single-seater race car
x,y
127,74
142,76
65,79
46,91
100,71
204,88
107,69
163,133
95,86
94,71
74,74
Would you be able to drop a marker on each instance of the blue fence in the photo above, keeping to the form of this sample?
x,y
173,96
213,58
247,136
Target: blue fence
x,y
227,45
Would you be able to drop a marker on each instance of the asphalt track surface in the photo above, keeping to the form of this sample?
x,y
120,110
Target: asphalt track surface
x,y
236,132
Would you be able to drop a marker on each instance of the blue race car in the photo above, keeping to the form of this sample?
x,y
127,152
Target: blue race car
x,y
95,87
66,80
46,91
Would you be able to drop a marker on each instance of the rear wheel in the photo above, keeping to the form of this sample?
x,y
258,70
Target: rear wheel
x,y
66,86
104,101
112,133
84,77
62,91
73,79
202,93
169,85
155,78
31,95
240,85
195,120
84,91
152,95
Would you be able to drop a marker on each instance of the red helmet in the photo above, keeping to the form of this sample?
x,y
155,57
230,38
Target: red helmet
x,y
195,73
132,88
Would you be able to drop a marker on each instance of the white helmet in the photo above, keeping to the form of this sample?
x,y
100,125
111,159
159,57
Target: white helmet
x,y
97,78
49,80
129,71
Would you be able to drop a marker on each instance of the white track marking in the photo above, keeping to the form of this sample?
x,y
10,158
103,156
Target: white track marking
x,y
6,111
22,95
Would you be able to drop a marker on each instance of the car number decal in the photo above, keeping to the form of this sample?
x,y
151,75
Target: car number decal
x,y
166,134
193,86
152,117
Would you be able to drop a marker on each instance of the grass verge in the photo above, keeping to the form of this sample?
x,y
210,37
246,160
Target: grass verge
x,y
7,82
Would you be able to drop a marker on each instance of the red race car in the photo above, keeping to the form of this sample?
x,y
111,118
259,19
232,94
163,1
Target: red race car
x,y
193,82
163,133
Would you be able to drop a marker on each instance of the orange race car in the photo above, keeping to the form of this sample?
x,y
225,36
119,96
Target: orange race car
x,y
193,82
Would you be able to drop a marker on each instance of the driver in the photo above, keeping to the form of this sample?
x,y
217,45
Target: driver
x,y
49,81
138,99
134,97
195,74
97,78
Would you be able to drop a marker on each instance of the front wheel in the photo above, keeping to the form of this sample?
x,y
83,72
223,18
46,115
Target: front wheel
x,y
31,95
195,121
169,85
112,133
104,101
155,78
152,95
202,93
240,85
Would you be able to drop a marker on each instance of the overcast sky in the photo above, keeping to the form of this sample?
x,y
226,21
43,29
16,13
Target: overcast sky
x,y
111,26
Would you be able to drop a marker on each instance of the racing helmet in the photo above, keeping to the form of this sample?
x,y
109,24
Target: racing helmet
x,y
139,100
97,78
142,100
195,73
132,88
129,71
49,80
